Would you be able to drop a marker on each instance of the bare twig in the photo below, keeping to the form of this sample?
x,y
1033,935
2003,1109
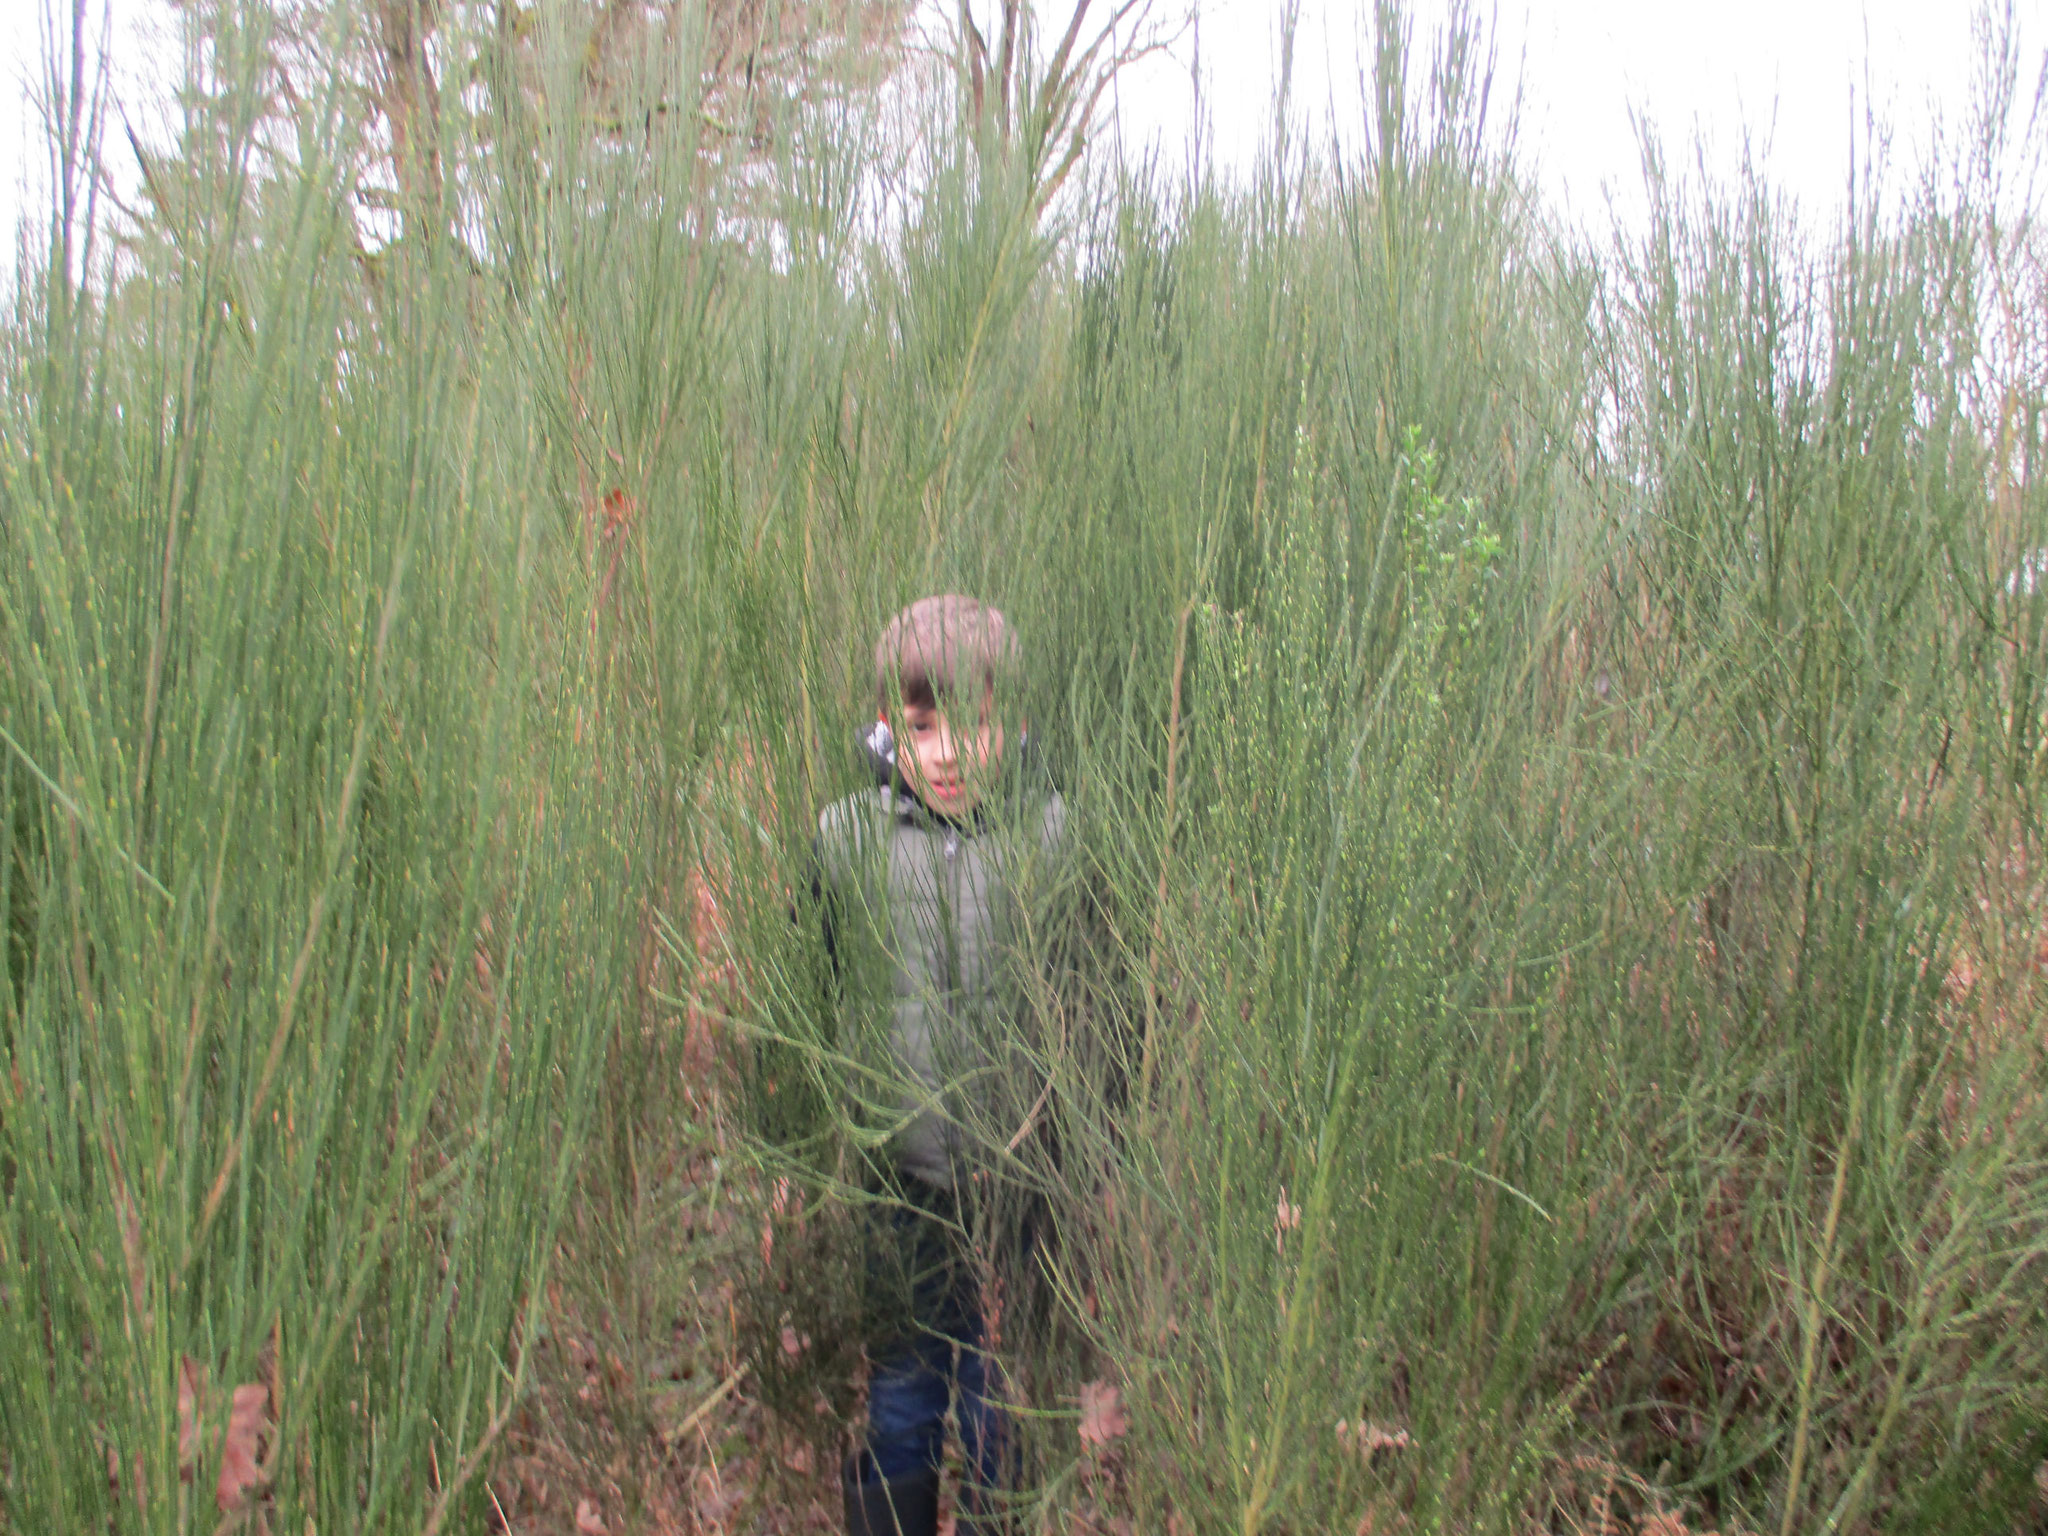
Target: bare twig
x,y
702,1411
469,1466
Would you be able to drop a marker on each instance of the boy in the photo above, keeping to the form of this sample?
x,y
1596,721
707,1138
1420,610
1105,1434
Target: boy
x,y
935,862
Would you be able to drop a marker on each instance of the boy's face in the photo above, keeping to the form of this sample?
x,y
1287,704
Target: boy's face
x,y
949,763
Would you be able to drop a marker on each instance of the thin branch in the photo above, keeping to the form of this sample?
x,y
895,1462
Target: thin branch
x,y
977,56
1056,68
1006,66
698,1414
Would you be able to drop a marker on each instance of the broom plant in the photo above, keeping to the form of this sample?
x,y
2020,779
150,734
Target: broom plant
x,y
1540,1030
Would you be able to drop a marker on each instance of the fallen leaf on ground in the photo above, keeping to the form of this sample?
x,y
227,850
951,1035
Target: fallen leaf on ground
x,y
1102,1414
131,1247
1366,1437
191,1387
1286,1216
248,1415
711,1501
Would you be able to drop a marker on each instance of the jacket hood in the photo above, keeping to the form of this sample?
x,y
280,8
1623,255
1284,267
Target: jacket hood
x,y
878,751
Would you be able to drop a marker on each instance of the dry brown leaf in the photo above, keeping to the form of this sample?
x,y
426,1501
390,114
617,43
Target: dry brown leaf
x,y
240,1458
1366,1437
1287,1219
1961,977
132,1251
1286,1215
711,1501
589,1521
191,1388
1102,1414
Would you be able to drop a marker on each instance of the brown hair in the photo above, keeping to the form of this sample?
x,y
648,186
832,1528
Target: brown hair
x,y
938,643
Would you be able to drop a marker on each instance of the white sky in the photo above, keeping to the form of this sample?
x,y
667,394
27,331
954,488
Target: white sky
x,y
1795,75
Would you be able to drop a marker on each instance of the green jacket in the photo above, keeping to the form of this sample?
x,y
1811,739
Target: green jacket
x,y
921,913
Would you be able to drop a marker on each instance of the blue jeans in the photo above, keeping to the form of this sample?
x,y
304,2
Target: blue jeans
x,y
935,1359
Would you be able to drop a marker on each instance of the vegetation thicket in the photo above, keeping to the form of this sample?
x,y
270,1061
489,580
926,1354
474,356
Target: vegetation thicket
x,y
1547,1031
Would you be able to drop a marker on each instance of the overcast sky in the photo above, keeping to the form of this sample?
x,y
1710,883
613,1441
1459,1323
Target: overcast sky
x,y
1794,76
